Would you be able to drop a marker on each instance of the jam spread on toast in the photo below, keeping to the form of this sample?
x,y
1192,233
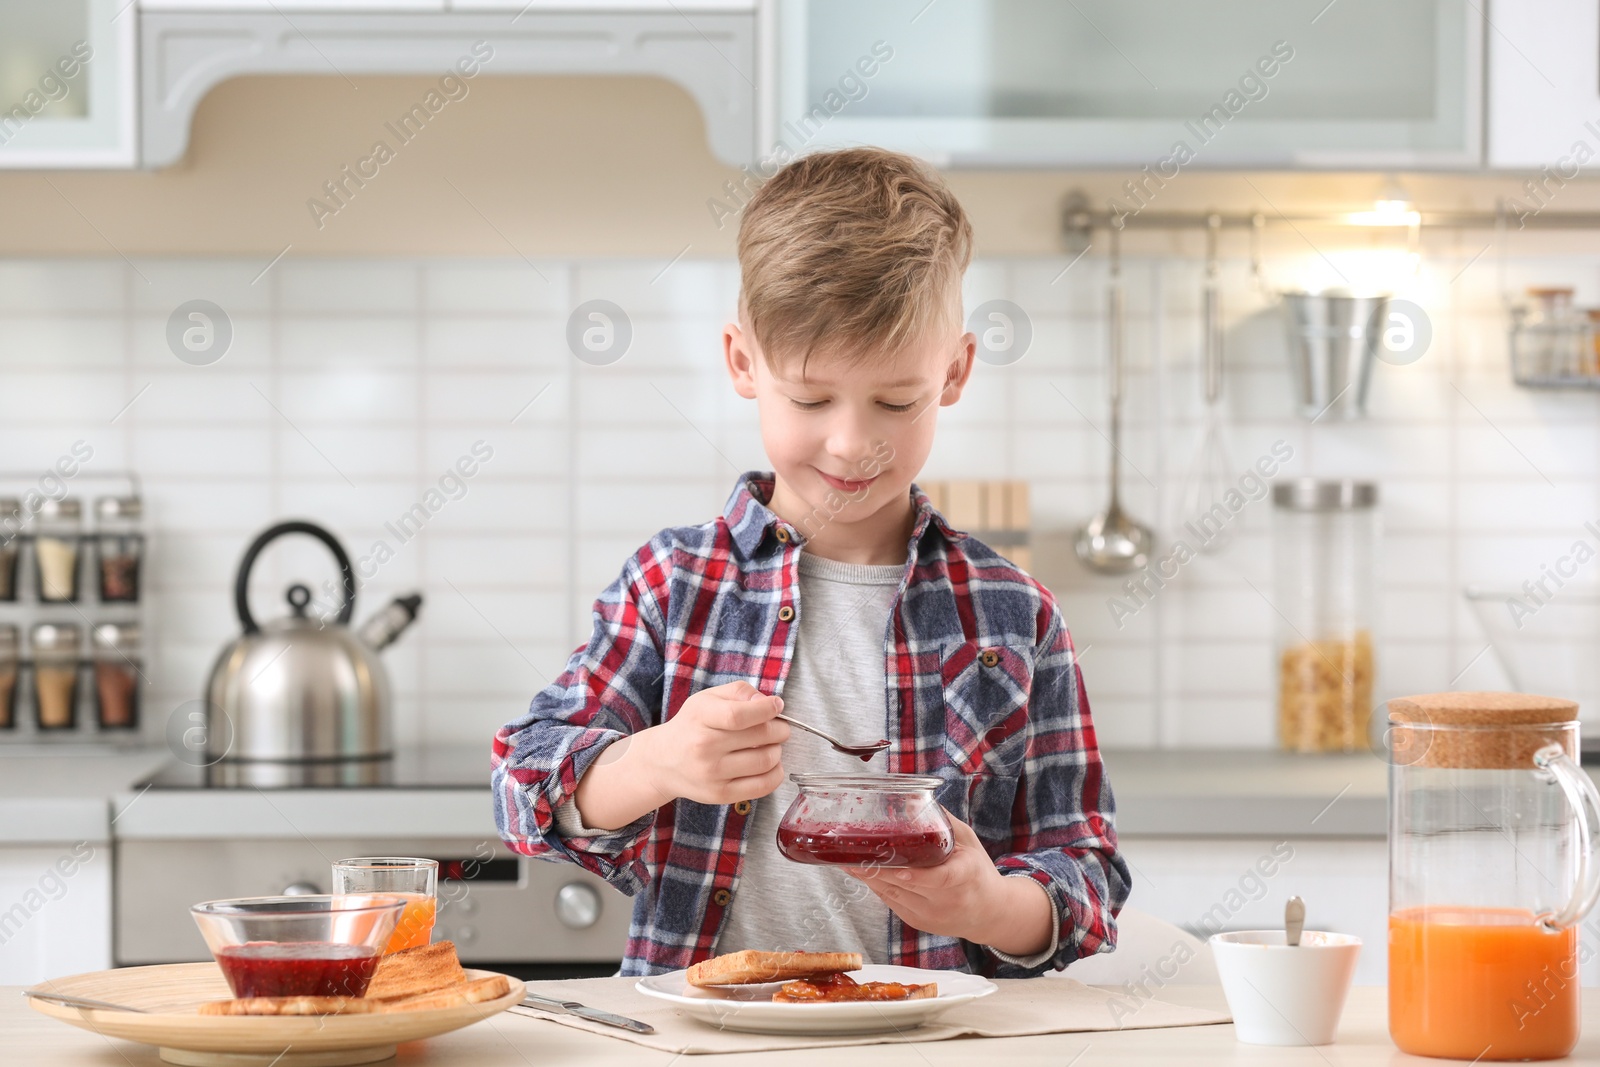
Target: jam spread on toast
x,y
836,988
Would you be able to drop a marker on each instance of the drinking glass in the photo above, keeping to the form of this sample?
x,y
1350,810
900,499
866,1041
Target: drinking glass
x,y
415,880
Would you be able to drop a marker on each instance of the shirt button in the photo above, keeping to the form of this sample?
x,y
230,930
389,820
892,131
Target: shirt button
x,y
782,534
743,807
785,613
989,658
721,898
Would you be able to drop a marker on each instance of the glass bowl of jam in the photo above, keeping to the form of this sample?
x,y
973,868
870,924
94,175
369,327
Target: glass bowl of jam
x,y
299,946
889,820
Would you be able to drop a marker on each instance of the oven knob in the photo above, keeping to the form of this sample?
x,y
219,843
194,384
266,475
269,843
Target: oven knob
x,y
468,906
301,889
578,906
466,933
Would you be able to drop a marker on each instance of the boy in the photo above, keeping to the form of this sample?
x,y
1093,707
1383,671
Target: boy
x,y
832,589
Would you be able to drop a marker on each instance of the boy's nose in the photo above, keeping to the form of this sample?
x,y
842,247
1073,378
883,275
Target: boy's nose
x,y
850,444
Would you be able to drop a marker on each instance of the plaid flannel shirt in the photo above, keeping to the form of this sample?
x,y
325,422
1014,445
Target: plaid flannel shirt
x,y
982,691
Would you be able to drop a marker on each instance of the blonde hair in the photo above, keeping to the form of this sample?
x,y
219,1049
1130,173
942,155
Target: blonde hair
x,y
857,252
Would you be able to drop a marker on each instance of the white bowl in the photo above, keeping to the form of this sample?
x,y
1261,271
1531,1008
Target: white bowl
x,y
1282,995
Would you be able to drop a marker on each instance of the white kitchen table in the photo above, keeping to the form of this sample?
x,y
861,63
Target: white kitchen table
x,y
512,1040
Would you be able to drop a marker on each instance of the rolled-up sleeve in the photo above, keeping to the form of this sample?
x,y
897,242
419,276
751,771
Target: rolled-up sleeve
x,y
1064,833
610,689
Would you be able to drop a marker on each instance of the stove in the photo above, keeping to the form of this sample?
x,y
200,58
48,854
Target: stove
x,y
429,767
264,829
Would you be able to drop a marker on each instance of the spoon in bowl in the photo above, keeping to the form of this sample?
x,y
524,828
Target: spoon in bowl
x,y
863,752
1294,921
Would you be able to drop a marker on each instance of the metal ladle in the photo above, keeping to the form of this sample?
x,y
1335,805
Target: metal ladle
x,y
1112,542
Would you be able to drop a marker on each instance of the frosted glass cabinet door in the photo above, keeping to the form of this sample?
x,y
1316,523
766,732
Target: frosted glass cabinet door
x,y
67,83
1123,83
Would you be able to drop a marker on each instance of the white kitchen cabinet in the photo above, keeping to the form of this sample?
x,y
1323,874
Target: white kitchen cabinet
x,y
708,49
68,84
1124,83
55,911
1544,87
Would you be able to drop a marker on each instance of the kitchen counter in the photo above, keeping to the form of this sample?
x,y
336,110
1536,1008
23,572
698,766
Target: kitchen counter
x,y
1248,793
50,794
514,1040
1172,793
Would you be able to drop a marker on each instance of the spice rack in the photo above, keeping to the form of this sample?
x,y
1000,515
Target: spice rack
x,y
1554,345
73,614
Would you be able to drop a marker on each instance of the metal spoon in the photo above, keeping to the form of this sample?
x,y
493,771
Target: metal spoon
x,y
78,1002
1111,542
1294,920
865,752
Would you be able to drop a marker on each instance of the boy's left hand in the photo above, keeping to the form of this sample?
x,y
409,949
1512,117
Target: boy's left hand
x,y
966,897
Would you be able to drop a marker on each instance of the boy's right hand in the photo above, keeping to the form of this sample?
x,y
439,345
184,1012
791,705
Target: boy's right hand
x,y
723,746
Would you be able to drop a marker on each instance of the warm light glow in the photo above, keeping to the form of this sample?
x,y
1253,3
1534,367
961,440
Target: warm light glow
x,y
1386,213
1358,270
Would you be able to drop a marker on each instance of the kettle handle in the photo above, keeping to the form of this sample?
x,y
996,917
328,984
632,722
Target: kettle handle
x,y
241,585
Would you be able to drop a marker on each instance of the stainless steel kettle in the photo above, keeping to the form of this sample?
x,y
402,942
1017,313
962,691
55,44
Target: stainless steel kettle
x,y
303,688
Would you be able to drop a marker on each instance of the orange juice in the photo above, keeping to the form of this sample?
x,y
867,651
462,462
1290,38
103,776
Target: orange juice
x,y
415,926
1490,983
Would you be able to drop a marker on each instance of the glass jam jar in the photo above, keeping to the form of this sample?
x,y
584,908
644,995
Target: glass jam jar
x,y
846,820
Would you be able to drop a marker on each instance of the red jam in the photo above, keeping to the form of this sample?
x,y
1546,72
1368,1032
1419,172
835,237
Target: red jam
x,y
866,846
298,968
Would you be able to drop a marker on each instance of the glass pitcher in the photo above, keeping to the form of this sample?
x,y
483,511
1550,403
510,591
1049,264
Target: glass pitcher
x,y
1492,834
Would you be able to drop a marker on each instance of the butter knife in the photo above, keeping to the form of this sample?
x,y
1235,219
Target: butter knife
x,y
594,1015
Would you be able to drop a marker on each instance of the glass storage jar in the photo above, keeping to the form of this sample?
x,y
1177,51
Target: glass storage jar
x,y
9,663
55,674
1325,544
845,820
116,675
1492,835
119,546
56,535
10,545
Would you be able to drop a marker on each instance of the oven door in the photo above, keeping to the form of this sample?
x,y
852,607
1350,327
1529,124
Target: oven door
x,y
502,910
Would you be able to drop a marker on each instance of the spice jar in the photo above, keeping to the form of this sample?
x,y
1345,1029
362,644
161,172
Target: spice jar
x,y
116,675
119,546
1325,541
889,820
55,548
10,545
55,674
9,640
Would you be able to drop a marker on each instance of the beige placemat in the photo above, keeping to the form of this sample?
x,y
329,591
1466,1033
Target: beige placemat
x,y
1023,1006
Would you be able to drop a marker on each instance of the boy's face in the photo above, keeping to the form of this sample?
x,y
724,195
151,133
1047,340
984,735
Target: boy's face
x,y
848,437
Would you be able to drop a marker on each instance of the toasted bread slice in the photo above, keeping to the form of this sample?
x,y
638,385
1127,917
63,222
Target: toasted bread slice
x,y
474,991
289,1006
753,966
412,971
926,991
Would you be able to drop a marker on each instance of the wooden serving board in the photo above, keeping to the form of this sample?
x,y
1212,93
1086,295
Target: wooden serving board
x,y
171,994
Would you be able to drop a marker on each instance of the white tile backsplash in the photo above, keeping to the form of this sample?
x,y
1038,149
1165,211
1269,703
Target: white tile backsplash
x,y
351,387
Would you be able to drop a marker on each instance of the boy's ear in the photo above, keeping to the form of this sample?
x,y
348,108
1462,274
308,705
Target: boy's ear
x,y
739,354
960,370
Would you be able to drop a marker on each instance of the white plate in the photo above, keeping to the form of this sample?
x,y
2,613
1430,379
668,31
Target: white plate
x,y
750,1008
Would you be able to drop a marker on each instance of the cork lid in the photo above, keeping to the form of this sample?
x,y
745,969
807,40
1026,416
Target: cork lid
x,y
1479,730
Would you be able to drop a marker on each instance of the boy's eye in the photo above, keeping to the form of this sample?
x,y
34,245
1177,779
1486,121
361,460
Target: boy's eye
x,y
897,408
807,405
